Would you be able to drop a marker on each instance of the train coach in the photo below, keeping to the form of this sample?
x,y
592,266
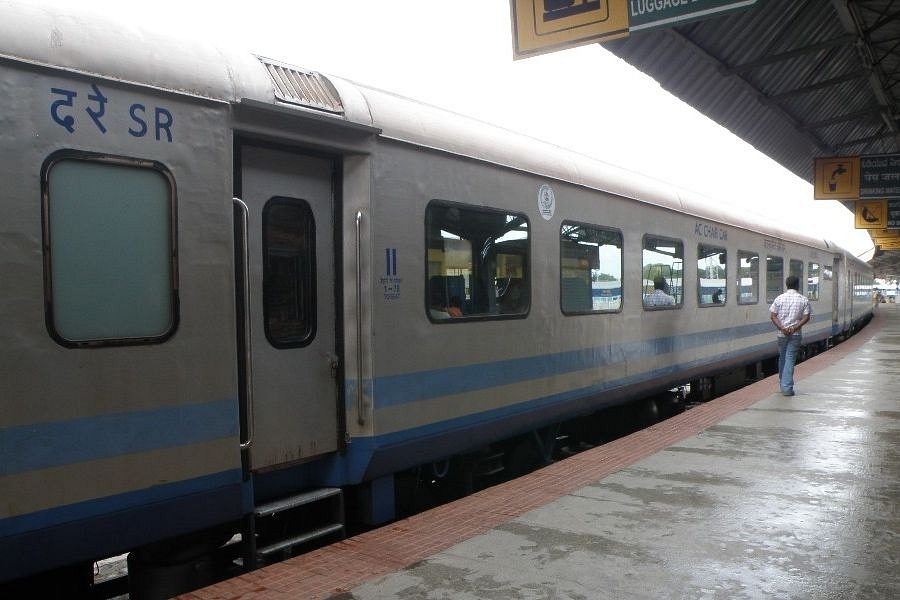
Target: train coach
x,y
243,301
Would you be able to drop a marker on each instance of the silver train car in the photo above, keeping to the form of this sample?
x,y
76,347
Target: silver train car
x,y
239,296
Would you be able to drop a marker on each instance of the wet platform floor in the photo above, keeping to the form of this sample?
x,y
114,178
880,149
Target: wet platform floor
x,y
753,495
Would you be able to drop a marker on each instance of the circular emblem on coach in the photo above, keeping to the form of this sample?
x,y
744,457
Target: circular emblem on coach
x,y
546,202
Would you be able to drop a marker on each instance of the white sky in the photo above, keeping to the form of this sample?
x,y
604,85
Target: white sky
x,y
457,54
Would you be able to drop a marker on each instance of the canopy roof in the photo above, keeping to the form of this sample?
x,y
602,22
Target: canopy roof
x,y
797,79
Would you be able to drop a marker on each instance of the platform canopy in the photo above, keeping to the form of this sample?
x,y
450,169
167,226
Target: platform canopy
x,y
797,79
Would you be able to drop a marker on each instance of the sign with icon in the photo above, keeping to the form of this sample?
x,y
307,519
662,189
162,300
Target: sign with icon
x,y
837,178
541,26
871,214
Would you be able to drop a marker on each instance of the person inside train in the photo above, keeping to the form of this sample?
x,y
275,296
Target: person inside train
x,y
660,295
437,304
789,313
440,306
717,296
454,307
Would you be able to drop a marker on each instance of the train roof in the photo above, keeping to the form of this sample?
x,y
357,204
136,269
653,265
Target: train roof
x,y
77,40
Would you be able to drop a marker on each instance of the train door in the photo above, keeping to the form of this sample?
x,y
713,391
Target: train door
x,y
290,340
837,300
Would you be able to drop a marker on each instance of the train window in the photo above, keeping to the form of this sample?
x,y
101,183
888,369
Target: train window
x,y
712,275
861,291
477,263
812,281
827,273
289,272
863,285
590,269
663,272
774,277
795,268
110,256
748,277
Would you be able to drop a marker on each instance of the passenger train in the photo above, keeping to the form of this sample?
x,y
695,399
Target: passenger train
x,y
242,301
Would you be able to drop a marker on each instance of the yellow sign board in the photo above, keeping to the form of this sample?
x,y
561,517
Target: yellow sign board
x,y
884,234
540,26
889,244
837,178
871,214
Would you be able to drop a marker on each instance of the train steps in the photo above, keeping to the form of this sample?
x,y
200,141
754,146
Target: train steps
x,y
305,518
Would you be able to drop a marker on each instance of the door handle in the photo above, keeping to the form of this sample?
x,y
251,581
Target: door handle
x,y
242,212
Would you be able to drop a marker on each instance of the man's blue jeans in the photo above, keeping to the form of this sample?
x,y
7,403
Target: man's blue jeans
x,y
788,347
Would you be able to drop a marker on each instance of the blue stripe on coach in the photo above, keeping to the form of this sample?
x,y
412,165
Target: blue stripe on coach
x,y
432,441
52,444
396,390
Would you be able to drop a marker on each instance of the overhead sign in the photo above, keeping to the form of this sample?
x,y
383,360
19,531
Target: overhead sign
x,y
889,244
837,178
893,219
885,234
879,176
871,214
867,177
643,14
542,26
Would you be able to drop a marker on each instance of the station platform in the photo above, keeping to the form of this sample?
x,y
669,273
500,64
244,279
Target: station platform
x,y
752,495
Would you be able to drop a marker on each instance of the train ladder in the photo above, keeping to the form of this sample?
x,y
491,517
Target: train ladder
x,y
281,526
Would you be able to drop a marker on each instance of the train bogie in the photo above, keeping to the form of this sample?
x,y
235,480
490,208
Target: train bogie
x,y
226,301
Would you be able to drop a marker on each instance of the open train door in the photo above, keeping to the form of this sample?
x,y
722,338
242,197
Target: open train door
x,y
288,332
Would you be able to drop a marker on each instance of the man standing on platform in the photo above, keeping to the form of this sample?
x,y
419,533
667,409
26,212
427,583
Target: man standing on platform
x,y
789,312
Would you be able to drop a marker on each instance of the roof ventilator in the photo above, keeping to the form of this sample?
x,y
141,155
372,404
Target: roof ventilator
x,y
303,88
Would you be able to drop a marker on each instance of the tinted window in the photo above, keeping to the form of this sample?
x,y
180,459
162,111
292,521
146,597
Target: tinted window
x,y
477,263
663,272
795,268
712,275
590,269
748,277
289,272
812,281
774,277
